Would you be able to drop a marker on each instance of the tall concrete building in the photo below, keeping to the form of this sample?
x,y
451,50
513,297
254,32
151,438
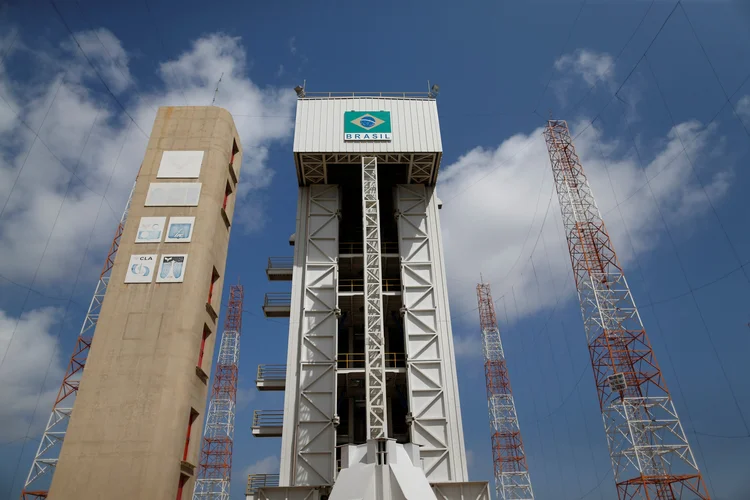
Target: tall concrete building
x,y
371,408
135,428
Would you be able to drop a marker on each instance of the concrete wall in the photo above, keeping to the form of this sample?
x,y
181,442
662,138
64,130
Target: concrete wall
x,y
127,433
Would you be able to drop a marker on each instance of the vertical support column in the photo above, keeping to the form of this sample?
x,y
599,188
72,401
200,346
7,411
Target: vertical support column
x,y
434,422
315,441
377,426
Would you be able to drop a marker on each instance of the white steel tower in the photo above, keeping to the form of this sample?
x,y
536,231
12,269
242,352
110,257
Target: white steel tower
x,y
512,481
48,453
215,464
371,407
650,454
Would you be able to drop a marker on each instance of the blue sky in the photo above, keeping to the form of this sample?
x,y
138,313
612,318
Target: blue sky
x,y
502,67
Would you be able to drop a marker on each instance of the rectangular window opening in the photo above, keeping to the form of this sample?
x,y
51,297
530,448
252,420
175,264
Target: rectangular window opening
x,y
227,192
235,150
193,416
214,279
181,486
206,333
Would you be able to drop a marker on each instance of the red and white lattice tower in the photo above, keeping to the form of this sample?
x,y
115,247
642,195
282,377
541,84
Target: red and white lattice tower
x,y
650,453
215,465
512,481
43,467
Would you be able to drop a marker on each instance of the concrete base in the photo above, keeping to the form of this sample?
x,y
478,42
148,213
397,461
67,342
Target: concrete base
x,y
471,490
386,470
380,470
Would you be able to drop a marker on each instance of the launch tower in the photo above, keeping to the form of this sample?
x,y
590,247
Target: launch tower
x,y
371,407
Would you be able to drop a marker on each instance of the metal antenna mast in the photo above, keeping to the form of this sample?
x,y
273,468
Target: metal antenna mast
x,y
216,92
512,481
215,465
650,453
43,467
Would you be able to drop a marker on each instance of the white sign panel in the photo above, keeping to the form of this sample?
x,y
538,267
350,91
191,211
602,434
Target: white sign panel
x,y
150,229
141,269
173,194
172,269
180,229
180,165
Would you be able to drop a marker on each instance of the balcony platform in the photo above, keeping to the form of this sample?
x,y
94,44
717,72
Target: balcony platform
x,y
257,481
271,378
267,423
280,268
277,305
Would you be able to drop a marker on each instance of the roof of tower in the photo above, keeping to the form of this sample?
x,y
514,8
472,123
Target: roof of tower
x,y
342,127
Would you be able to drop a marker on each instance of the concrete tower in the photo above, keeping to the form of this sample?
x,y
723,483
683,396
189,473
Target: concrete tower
x,y
371,408
135,427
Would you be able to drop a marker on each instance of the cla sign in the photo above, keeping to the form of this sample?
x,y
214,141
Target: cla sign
x,y
140,269
367,125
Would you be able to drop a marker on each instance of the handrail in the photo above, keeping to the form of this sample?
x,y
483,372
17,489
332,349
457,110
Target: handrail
x,y
268,418
357,360
358,285
395,360
278,299
392,285
352,285
271,372
356,247
280,262
351,360
257,481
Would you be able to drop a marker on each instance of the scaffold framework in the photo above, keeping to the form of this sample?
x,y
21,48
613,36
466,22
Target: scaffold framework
x,y
374,339
511,472
215,464
650,454
39,478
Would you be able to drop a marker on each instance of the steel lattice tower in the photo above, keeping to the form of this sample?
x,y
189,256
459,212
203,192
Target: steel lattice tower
x,y
215,465
377,422
512,481
650,453
43,467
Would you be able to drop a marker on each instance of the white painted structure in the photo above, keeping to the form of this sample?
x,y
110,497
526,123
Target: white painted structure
x,y
371,406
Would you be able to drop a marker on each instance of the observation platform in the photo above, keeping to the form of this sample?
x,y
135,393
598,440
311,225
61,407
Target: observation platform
x,y
277,305
280,268
258,481
271,378
268,423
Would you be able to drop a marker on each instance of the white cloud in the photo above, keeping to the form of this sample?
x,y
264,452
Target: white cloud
x,y
105,51
587,64
743,107
293,45
467,347
495,202
267,465
280,71
262,116
582,67
245,396
91,136
31,371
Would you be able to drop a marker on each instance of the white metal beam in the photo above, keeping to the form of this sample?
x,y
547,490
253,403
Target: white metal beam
x,y
377,426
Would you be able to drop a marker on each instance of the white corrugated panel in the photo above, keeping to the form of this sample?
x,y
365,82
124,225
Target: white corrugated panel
x,y
320,125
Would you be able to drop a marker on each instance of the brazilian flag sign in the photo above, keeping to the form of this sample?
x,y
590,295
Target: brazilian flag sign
x,y
367,125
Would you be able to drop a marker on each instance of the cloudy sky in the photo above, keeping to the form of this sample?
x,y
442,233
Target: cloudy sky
x,y
657,97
